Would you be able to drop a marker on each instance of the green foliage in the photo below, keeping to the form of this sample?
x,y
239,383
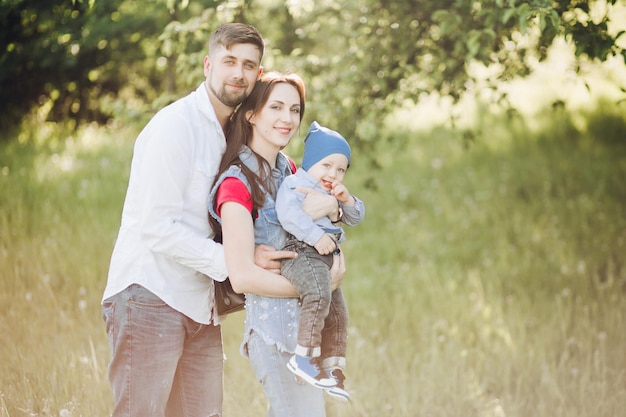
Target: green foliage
x,y
95,60
48,52
383,54
73,55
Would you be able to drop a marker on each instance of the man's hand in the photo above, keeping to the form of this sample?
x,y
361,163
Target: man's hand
x,y
269,258
318,205
337,271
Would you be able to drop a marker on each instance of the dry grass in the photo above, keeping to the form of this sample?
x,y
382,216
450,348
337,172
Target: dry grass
x,y
487,281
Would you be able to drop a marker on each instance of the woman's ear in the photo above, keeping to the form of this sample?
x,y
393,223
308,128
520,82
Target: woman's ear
x,y
250,117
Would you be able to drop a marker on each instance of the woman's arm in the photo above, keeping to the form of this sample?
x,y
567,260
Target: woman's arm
x,y
239,248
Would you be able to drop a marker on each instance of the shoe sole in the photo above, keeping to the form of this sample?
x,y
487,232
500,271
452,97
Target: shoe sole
x,y
308,378
342,397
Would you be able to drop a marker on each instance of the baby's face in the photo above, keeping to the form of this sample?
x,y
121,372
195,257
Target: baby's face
x,y
329,169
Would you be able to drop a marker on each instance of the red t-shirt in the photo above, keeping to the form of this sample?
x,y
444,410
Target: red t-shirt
x,y
233,190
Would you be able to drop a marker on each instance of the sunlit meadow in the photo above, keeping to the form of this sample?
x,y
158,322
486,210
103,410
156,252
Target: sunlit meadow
x,y
488,279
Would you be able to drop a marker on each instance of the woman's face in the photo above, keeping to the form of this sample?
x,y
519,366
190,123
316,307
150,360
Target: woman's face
x,y
278,120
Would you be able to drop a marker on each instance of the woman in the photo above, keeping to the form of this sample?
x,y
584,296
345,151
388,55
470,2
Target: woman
x,y
251,171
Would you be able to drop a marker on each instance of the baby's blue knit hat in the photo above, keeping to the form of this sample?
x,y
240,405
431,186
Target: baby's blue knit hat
x,y
320,142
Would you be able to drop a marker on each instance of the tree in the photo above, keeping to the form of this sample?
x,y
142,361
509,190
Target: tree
x,y
48,51
369,56
68,56
360,58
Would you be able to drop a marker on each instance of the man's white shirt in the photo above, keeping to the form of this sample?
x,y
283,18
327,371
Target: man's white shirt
x,y
165,242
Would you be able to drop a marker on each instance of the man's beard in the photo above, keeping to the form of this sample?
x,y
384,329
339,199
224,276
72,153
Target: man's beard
x,y
230,100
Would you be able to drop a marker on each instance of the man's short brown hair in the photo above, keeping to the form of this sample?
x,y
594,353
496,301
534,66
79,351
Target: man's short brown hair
x,y
230,34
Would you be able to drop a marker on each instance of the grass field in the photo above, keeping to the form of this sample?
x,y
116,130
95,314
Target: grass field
x,y
488,279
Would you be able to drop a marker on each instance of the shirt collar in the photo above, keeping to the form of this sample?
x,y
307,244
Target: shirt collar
x,y
205,106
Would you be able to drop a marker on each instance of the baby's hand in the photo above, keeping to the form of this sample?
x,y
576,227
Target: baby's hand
x,y
325,245
341,192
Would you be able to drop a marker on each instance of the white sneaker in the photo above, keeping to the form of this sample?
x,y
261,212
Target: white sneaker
x,y
337,392
306,368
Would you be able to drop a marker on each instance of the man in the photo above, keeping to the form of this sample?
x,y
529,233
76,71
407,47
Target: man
x,y
166,345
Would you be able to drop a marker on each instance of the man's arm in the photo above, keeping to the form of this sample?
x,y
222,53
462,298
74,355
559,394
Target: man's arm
x,y
167,168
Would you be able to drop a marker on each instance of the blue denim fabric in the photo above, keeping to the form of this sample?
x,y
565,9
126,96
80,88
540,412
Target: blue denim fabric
x,y
267,228
287,396
177,363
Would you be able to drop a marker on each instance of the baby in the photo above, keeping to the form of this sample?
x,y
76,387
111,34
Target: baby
x,y
320,354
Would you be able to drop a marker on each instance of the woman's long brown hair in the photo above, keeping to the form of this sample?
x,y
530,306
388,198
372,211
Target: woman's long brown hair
x,y
239,133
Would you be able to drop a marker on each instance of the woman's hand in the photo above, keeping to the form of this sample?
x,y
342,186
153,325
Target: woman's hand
x,y
318,205
269,258
338,270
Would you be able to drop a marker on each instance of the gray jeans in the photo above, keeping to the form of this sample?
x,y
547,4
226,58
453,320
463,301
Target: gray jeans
x,y
324,314
162,362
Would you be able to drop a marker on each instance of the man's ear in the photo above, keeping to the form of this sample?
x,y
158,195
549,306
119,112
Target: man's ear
x,y
207,65
258,77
